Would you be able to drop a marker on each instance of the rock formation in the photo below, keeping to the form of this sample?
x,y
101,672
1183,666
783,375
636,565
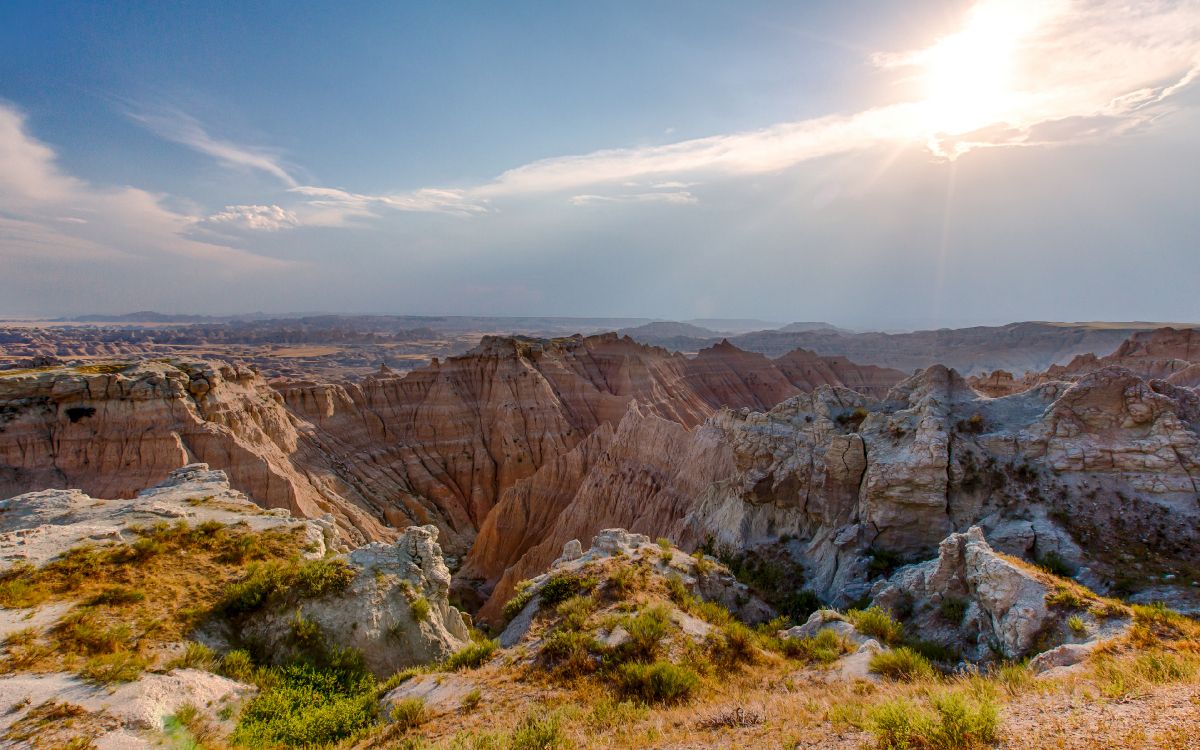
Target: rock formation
x,y
395,611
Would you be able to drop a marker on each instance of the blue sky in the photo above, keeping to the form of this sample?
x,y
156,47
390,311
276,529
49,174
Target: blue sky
x,y
889,165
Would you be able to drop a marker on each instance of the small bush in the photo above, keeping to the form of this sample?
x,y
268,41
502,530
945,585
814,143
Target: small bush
x,y
622,581
575,611
399,678
932,650
571,651
954,724
734,644
646,630
237,665
562,586
471,700
901,664
539,730
1066,596
1053,563
519,600
472,656
883,562
304,706
120,666
196,656
407,714
952,609
419,608
1077,625
824,647
116,596
876,623
659,682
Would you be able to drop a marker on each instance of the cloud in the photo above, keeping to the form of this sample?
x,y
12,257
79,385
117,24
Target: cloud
x,y
678,198
50,217
334,207
180,128
261,218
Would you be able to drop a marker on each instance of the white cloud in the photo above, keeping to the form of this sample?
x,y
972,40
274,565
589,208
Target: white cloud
x,y
678,198
334,207
187,131
51,216
262,218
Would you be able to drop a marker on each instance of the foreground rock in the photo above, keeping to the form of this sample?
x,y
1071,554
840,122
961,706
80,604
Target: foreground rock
x,y
38,526
983,605
395,610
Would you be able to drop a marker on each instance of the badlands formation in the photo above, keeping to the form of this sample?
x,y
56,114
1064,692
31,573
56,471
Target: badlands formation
x,y
668,551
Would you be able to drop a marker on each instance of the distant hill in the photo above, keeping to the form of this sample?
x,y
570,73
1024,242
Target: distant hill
x,y
801,327
732,325
666,329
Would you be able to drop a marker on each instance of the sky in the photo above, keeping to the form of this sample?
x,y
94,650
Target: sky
x,y
870,164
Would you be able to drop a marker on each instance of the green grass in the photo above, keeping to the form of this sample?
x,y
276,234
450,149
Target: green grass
x,y
119,666
823,648
292,580
657,682
876,623
562,586
902,664
472,656
520,598
952,722
302,705
407,714
420,608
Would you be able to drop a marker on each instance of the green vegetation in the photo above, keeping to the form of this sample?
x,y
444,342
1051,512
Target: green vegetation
x,y
562,586
952,609
308,705
876,623
520,598
772,574
823,648
291,580
407,714
420,608
903,664
472,656
657,682
118,666
1053,563
953,722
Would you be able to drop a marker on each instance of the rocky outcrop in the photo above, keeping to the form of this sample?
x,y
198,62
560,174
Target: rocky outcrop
x,y
396,610
39,526
808,370
704,577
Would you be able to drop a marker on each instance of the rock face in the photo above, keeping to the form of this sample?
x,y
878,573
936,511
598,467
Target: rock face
x,y
440,445
708,580
396,610
1005,604
1079,470
38,526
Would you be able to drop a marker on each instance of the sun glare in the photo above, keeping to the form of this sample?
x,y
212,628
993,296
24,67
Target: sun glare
x,y
969,76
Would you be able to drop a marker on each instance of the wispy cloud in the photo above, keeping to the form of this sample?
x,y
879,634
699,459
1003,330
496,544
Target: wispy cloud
x,y
264,218
678,198
50,216
185,130
333,206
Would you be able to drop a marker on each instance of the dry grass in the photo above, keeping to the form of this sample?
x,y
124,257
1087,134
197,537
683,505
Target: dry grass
x,y
132,599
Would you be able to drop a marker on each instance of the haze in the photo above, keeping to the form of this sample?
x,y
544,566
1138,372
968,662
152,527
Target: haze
x,y
920,164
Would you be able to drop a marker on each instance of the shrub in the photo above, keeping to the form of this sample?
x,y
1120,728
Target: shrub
x,y
933,650
562,586
520,598
734,644
952,609
237,665
1053,563
539,730
876,623
419,608
305,706
622,580
471,700
883,561
571,651
575,611
326,576
305,633
1066,596
954,724
117,595
399,678
472,656
824,647
901,664
119,666
196,656
646,629
658,682
407,714
1077,625
310,579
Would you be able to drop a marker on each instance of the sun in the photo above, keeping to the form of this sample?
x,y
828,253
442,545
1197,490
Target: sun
x,y
969,77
